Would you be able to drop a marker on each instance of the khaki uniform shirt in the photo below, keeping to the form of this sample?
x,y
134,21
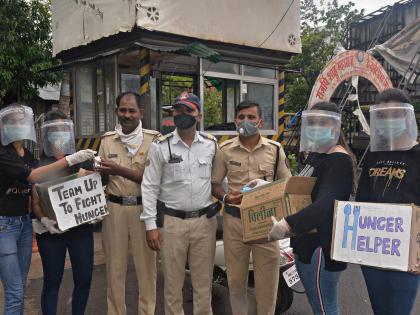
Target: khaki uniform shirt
x,y
113,149
241,165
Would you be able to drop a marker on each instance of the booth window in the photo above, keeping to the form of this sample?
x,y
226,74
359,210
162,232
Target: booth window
x,y
227,84
95,97
85,109
130,82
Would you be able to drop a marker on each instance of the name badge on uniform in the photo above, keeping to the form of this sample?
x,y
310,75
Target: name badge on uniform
x,y
175,159
112,155
235,163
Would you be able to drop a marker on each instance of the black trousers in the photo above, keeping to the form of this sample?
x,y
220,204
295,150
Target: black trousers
x,y
52,248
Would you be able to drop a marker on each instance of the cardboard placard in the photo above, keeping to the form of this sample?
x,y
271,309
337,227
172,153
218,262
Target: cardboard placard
x,y
279,199
72,200
381,235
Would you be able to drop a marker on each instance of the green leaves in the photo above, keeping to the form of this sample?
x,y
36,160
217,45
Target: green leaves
x,y
25,49
323,26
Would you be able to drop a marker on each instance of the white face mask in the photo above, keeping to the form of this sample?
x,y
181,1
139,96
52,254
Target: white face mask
x,y
247,128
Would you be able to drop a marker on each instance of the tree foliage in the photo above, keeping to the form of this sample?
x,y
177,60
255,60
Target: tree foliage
x,y
25,49
323,26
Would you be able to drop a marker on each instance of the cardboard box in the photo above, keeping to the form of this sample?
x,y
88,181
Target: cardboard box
x,y
73,200
381,235
279,199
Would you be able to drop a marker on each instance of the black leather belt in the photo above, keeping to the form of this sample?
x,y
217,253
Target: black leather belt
x,y
186,214
233,211
125,201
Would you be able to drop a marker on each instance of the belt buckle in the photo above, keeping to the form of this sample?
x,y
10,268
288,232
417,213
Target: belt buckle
x,y
194,214
129,201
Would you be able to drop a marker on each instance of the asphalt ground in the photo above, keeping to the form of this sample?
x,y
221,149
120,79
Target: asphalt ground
x,y
353,293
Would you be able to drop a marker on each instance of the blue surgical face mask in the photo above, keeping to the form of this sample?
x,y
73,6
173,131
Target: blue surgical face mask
x,y
17,132
59,136
391,128
318,134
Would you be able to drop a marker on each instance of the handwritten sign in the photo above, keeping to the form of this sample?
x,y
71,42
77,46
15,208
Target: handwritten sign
x,y
343,66
373,234
78,201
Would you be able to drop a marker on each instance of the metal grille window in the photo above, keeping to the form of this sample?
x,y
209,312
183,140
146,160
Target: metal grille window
x,y
95,97
225,85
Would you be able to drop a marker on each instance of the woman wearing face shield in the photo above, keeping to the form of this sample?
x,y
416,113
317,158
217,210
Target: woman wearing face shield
x,y
58,141
17,172
330,161
391,174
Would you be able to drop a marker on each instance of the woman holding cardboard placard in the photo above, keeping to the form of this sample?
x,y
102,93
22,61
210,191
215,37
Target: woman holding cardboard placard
x,y
330,161
391,175
57,142
17,172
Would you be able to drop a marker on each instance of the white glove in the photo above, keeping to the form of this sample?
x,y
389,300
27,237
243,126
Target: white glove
x,y
80,156
279,230
257,183
254,184
94,221
50,225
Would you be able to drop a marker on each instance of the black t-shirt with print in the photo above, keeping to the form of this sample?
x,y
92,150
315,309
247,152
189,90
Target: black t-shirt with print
x,y
313,224
15,190
391,177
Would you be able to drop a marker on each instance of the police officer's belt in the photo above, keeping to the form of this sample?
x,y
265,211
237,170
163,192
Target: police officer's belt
x,y
125,201
233,211
186,214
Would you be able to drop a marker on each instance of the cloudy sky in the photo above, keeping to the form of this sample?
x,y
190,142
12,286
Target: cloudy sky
x,y
369,5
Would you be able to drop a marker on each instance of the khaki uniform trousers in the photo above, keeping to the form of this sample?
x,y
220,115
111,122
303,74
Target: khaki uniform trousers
x,y
192,240
122,229
266,260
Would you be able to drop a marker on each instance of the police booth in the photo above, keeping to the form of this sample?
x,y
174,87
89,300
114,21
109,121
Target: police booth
x,y
219,50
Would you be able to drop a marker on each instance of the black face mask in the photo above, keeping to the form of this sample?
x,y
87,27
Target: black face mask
x,y
184,121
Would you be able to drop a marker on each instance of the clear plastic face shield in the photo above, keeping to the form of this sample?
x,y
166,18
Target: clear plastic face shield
x,y
58,137
320,130
393,127
17,124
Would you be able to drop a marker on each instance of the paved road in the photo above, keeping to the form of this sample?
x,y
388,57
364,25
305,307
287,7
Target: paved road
x,y
353,296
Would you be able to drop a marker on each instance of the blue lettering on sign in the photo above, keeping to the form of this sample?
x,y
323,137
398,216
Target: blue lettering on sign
x,y
348,227
380,245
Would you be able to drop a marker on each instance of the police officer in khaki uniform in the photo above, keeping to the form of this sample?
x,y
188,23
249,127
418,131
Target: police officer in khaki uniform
x,y
243,159
178,173
123,155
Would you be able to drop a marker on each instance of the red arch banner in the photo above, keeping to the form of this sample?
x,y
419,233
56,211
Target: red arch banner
x,y
343,66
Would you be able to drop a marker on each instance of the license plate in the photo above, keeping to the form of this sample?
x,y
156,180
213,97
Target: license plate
x,y
291,276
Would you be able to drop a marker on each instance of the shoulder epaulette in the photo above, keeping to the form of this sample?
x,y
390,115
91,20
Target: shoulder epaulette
x,y
225,143
278,144
109,133
208,136
164,138
151,132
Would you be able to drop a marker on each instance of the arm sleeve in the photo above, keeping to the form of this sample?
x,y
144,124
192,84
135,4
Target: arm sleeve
x,y
150,186
12,167
363,188
336,184
219,170
283,170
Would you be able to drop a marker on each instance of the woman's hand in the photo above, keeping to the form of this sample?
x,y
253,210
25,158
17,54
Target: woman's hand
x,y
415,272
279,231
50,225
80,156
